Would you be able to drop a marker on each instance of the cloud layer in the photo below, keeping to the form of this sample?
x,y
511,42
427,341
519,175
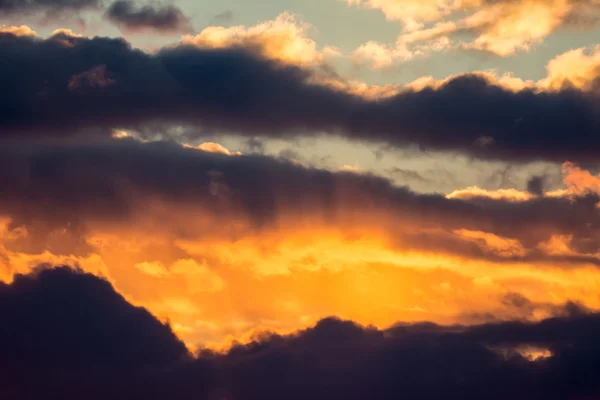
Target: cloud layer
x,y
234,90
550,359
499,27
213,193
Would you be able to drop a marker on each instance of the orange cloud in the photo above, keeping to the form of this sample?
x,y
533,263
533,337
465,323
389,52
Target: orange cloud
x,y
22,30
283,39
215,290
579,181
500,194
499,27
213,147
284,246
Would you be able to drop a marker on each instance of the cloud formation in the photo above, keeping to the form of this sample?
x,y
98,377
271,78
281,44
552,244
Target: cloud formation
x,y
163,18
283,39
28,6
233,90
63,318
550,359
177,228
104,183
500,27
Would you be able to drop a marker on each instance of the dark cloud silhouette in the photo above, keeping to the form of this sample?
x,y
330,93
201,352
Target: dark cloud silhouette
x,y
61,326
67,319
26,6
66,335
236,90
68,187
164,18
535,185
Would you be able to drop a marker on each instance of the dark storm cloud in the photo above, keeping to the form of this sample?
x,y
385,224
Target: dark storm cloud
x,y
67,319
24,6
128,16
46,187
68,335
236,90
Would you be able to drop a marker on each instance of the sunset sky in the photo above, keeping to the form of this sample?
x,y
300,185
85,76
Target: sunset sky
x,y
293,199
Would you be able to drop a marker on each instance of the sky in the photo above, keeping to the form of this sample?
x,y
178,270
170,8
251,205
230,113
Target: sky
x,y
300,199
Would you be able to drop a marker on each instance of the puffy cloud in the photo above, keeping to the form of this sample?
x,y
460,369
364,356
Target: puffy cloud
x,y
283,39
163,18
576,68
22,30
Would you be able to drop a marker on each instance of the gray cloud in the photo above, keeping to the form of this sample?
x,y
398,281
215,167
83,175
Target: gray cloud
x,y
235,90
165,18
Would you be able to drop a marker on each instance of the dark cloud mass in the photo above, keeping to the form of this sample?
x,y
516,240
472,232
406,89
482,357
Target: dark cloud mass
x,y
128,16
535,185
69,186
236,90
60,326
24,6
68,335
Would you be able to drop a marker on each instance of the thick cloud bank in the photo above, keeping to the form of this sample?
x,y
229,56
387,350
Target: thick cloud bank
x,y
68,335
91,85
127,183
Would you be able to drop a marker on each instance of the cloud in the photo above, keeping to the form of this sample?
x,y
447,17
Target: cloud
x,y
94,78
120,352
213,147
577,68
499,27
198,276
22,30
283,39
233,90
384,56
163,18
50,6
206,194
535,185
63,318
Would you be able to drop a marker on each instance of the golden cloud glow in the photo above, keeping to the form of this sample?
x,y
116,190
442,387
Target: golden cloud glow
x,y
576,68
580,181
22,30
283,39
217,279
215,290
213,147
499,27
496,244
500,194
